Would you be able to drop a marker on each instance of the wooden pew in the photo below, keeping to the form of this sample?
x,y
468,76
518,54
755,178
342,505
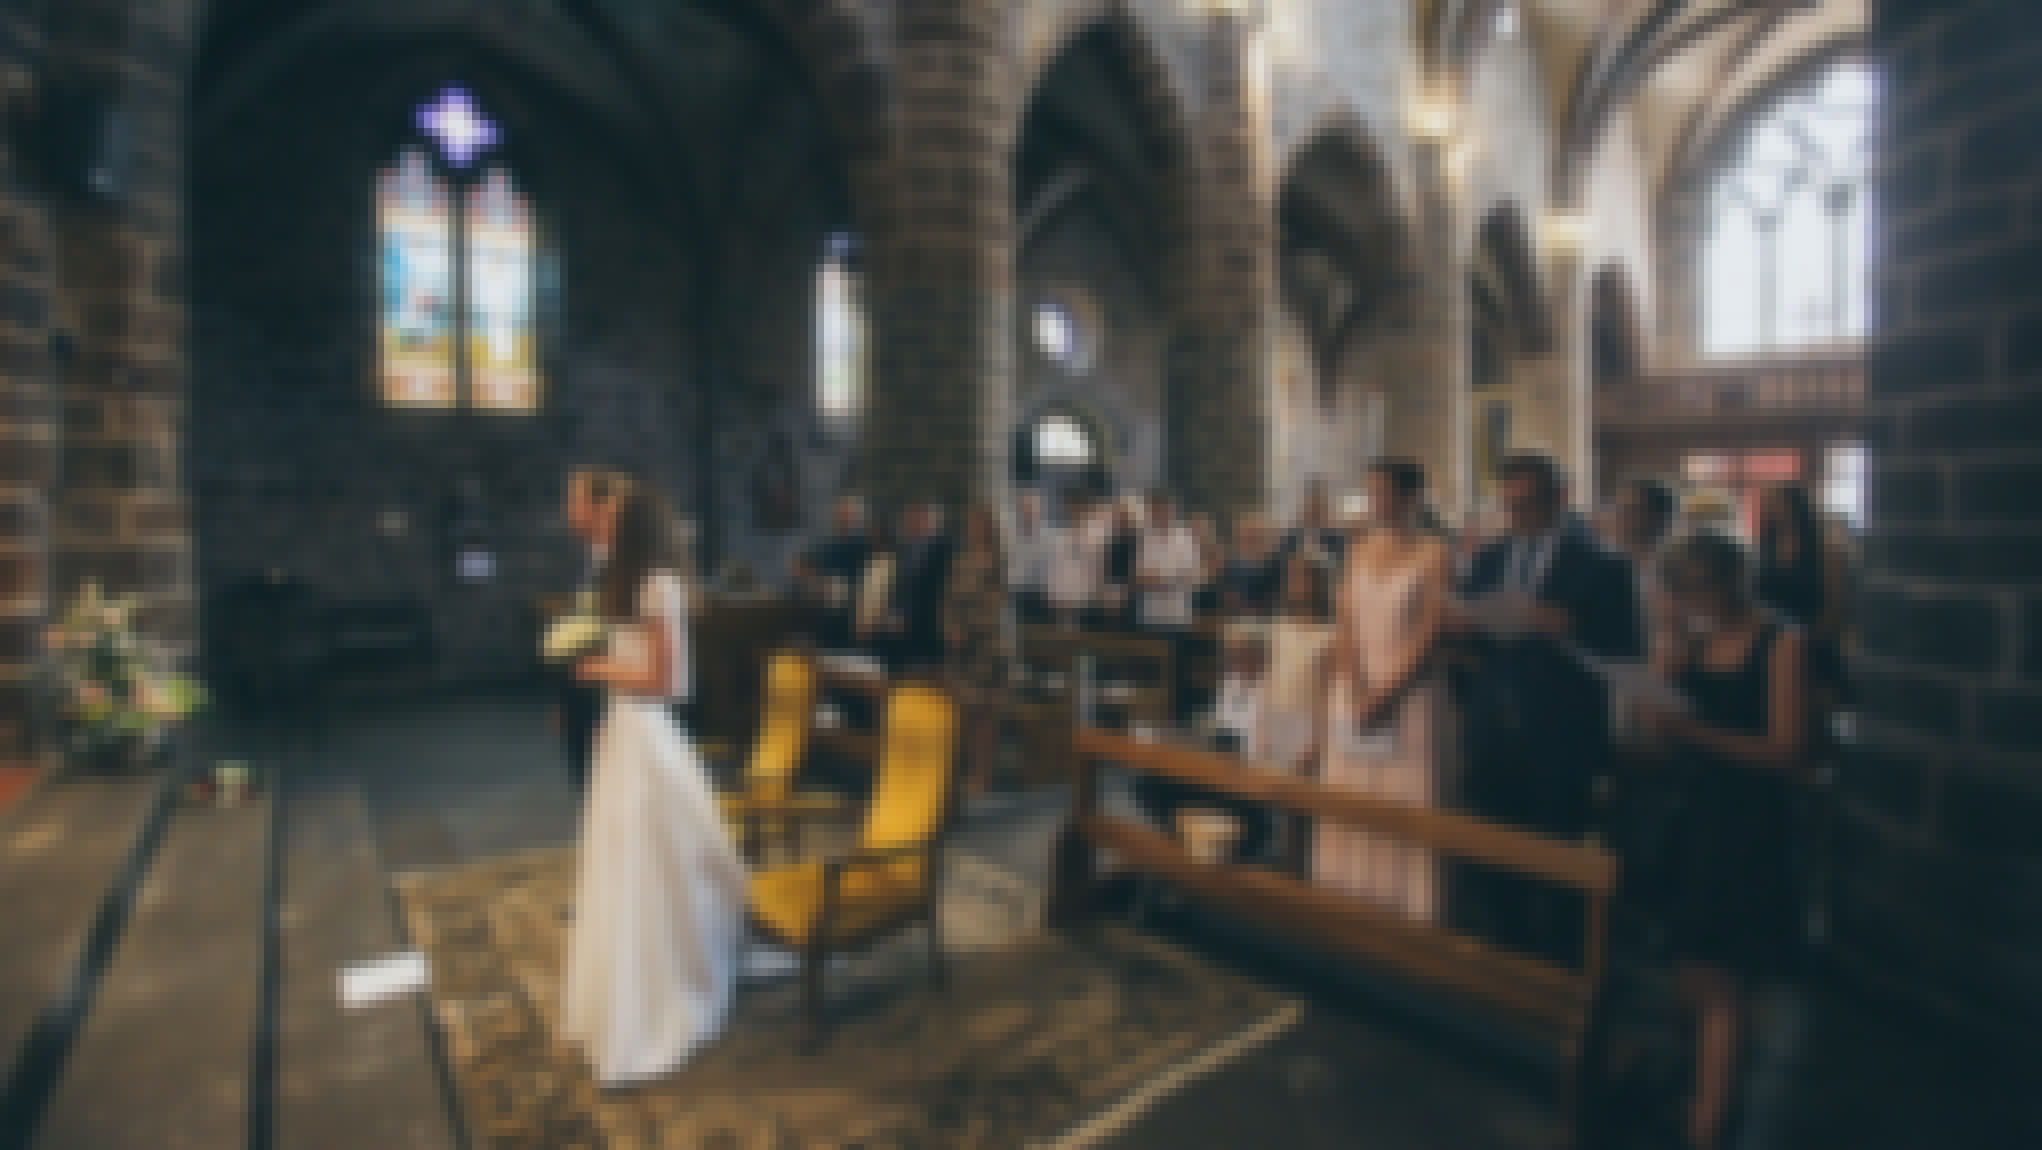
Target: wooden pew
x,y
1136,671
850,743
1533,997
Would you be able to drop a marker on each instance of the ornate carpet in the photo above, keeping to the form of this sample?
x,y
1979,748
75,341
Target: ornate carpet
x,y
1041,1040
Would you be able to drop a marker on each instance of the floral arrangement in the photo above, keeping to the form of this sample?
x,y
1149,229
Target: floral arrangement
x,y
113,688
580,630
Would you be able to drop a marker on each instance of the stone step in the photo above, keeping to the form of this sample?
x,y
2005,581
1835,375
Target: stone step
x,y
71,852
345,1078
165,1057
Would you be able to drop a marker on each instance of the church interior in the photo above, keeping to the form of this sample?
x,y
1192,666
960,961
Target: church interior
x,y
1140,574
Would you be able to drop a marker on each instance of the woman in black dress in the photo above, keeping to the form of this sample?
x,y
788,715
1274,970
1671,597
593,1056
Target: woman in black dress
x,y
1734,752
1801,578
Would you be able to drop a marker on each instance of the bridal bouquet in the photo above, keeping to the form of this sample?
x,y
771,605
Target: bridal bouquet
x,y
115,691
579,631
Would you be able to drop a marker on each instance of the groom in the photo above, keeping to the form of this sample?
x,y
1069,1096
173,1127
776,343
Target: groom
x,y
588,511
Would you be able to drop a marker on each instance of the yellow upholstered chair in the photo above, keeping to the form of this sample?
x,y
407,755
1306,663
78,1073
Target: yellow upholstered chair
x,y
764,797
888,880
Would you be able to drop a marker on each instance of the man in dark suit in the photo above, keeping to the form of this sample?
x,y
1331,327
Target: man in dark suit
x,y
1538,722
589,500
829,573
918,587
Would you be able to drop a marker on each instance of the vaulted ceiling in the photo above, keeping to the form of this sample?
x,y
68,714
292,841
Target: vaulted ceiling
x,y
1683,69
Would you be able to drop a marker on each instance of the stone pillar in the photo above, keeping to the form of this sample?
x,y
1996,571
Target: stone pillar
x,y
1219,384
1554,383
940,278
1683,226
120,513
1427,405
1940,855
28,437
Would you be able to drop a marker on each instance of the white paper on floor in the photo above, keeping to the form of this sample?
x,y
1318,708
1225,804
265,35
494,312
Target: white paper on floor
x,y
381,979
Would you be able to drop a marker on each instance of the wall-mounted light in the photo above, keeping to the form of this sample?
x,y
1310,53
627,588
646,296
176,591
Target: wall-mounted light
x,y
1432,116
1566,232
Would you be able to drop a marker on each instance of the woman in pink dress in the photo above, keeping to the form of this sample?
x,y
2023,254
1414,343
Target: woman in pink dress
x,y
1387,709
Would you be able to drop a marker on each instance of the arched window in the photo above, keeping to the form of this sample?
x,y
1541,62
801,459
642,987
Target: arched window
x,y
1062,441
457,289
1785,261
840,344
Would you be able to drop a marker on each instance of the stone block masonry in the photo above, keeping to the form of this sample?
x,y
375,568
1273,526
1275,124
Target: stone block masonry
x,y
1941,831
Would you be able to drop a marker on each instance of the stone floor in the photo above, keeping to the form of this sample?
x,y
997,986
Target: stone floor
x,y
431,782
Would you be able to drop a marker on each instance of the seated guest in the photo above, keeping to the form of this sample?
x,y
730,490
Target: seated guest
x,y
1071,577
1248,581
975,634
925,556
1235,727
1537,731
827,573
1735,750
1029,552
1315,533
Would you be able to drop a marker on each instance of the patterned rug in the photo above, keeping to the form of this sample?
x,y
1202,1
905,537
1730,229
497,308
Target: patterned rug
x,y
1040,1040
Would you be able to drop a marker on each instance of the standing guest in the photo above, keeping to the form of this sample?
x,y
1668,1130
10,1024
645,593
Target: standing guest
x,y
875,628
1387,707
1248,582
1735,752
589,510
1212,558
1115,605
1169,566
827,574
1300,639
925,557
1538,727
1640,523
1803,579
1029,554
1072,577
974,633
1316,534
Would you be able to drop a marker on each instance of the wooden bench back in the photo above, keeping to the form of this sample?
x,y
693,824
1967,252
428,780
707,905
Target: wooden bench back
x,y
1546,999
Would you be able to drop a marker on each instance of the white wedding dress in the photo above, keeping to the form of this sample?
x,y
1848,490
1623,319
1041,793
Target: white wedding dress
x,y
653,954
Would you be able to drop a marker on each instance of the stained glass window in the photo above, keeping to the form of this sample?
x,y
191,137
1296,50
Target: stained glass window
x,y
1061,441
457,313
417,284
501,362
839,331
1786,258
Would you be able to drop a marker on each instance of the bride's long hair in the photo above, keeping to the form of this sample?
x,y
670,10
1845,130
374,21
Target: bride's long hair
x,y
645,537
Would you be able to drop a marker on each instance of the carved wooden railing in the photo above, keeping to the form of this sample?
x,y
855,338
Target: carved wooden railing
x,y
1819,387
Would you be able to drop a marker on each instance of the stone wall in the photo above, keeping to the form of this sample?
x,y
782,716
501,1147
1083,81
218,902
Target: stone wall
x,y
1941,865
28,416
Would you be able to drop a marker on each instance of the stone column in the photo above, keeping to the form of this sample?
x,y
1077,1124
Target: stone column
x,y
940,278
1427,404
1219,385
1940,863
1554,383
28,437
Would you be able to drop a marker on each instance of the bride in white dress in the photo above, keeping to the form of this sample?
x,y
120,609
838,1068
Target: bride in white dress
x,y
653,954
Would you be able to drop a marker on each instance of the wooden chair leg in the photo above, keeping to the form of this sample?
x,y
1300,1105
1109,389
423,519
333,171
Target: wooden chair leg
x,y
813,964
939,973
